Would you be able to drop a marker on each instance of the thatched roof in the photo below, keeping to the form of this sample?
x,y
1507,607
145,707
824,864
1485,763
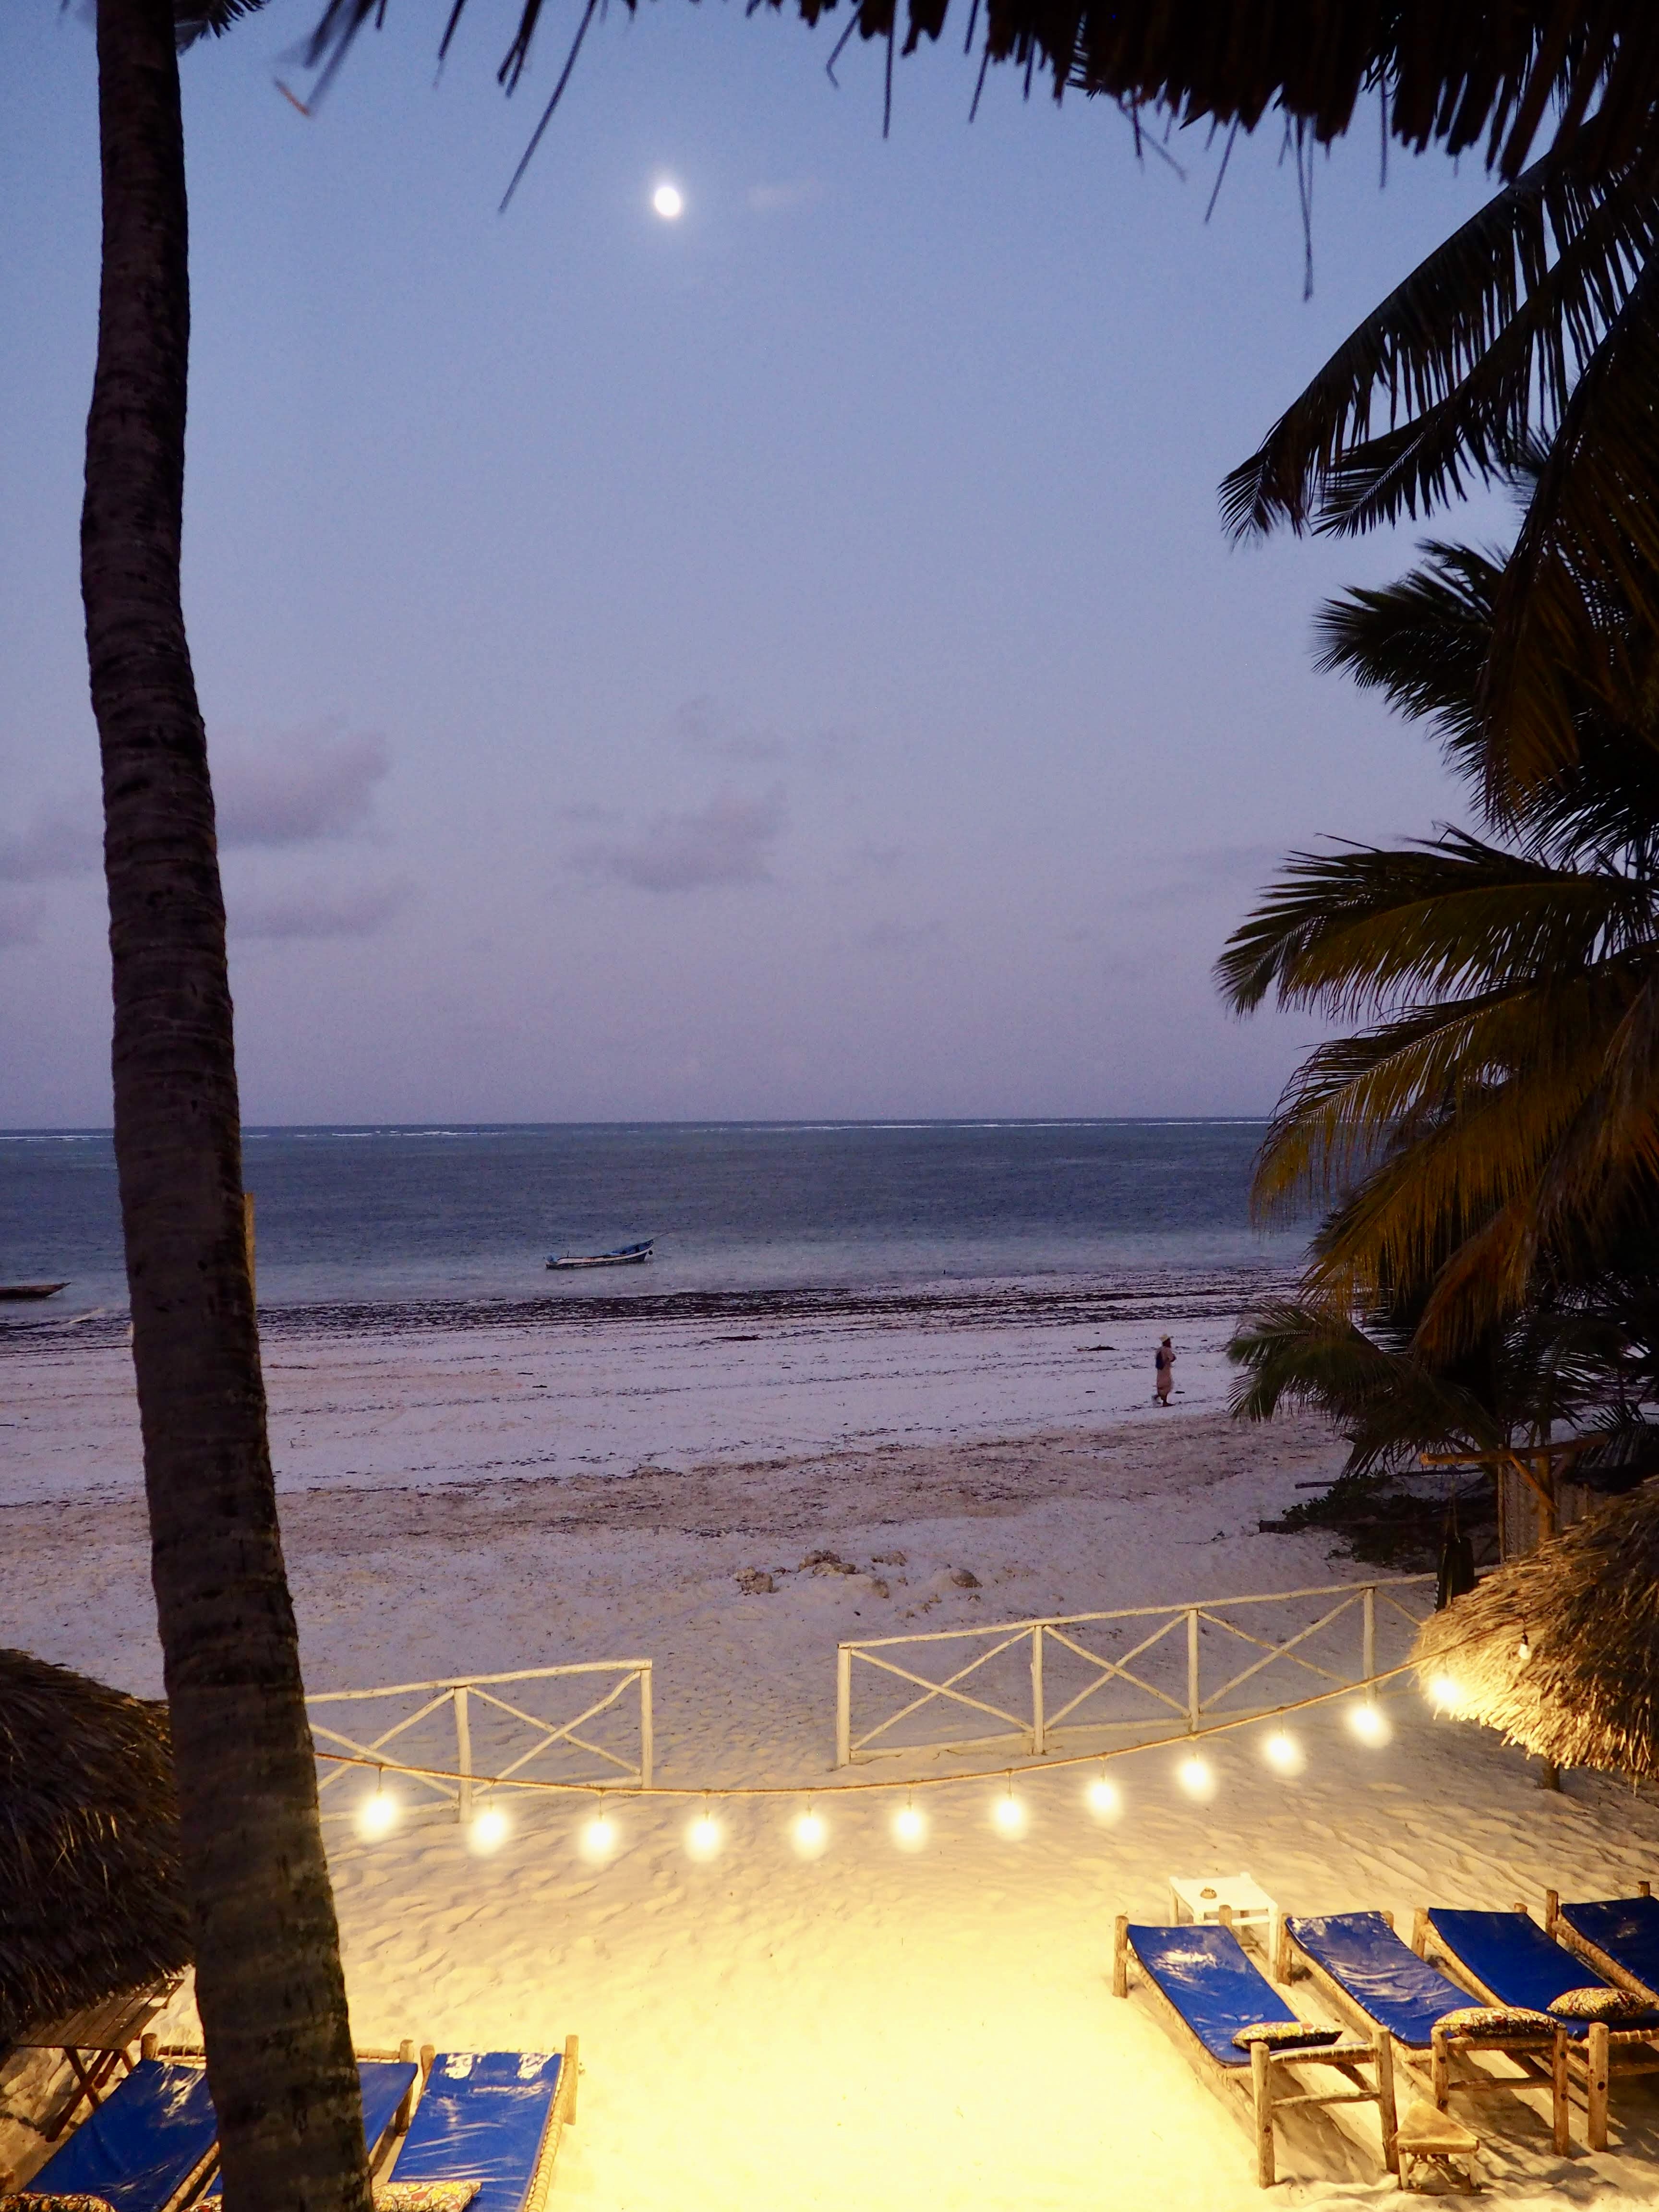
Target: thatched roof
x,y
91,1895
1561,1650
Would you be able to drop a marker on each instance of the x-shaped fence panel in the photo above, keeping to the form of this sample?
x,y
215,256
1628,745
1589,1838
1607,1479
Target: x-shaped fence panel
x,y
449,1739
1039,1677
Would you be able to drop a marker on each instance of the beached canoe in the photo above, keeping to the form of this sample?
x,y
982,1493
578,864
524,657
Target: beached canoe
x,y
625,1255
31,1290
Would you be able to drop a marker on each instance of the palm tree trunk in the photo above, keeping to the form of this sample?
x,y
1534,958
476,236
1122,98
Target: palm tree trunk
x,y
268,1982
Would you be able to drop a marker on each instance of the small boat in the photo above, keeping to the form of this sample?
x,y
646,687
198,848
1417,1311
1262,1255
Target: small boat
x,y
31,1290
625,1255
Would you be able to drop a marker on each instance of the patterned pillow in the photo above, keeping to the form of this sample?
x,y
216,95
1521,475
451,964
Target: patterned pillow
x,y
1494,2020
47,2200
1285,2034
1599,2003
424,2196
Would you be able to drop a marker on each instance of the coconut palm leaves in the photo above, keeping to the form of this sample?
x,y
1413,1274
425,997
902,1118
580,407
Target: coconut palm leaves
x,y
1500,1107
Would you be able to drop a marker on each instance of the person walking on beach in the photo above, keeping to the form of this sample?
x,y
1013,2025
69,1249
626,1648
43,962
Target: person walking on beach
x,y
1165,1365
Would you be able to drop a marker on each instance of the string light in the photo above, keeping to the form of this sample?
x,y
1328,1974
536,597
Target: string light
x,y
909,1825
811,1833
600,1837
1196,1777
1369,1722
1447,1693
702,1837
1008,1812
378,1814
487,1830
1284,1753
1104,1797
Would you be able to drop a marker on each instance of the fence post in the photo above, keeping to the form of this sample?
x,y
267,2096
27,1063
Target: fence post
x,y
1039,1740
843,1705
647,1740
1192,1707
1371,1630
464,1753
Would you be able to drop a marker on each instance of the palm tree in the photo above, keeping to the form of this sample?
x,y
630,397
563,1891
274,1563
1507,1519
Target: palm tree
x,y
269,1984
1496,1123
268,1981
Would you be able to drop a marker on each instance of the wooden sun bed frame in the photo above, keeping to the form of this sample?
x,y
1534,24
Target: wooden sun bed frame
x,y
1593,2058
560,2115
1257,2083
1439,2079
1592,1954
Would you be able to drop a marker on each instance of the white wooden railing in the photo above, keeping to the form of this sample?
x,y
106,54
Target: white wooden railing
x,y
463,1728
1038,1675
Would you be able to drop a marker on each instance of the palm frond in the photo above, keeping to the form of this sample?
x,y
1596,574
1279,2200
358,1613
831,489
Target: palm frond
x,y
200,18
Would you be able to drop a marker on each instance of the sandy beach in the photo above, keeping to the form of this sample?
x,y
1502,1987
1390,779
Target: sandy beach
x,y
876,2026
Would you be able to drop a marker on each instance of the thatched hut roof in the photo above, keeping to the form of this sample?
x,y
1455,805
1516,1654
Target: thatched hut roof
x,y
1561,1650
91,1895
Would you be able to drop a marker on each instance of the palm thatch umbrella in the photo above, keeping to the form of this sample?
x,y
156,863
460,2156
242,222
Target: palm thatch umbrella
x,y
91,1895
1560,1650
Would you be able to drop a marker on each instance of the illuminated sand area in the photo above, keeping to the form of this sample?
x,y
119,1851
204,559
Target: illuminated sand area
x,y
878,2026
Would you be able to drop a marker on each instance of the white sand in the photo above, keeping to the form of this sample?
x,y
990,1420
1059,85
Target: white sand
x,y
876,2029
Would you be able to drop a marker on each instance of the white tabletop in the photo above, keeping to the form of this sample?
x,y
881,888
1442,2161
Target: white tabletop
x,y
1200,1897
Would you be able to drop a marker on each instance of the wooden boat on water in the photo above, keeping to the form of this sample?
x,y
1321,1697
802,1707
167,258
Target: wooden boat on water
x,y
31,1290
625,1255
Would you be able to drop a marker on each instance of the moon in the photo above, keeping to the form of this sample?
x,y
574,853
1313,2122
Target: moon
x,y
668,202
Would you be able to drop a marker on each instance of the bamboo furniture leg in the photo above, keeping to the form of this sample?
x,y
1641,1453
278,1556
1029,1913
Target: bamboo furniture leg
x,y
1262,2090
1440,2071
1121,1956
1561,2138
1385,2104
1596,2078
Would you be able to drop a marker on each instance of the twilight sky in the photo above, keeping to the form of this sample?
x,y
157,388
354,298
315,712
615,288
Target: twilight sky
x,y
781,663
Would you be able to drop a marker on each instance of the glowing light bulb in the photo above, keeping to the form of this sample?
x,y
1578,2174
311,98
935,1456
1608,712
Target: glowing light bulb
x,y
1008,1815
1523,1650
1369,1722
378,1814
600,1837
1196,1777
909,1828
1447,1693
1283,1752
702,1837
810,1833
487,1830
1103,1798
669,202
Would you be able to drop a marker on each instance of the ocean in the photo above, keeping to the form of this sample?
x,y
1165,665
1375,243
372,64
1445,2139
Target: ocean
x,y
393,1215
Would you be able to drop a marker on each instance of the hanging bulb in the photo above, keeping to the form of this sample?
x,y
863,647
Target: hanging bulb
x,y
1523,1650
1008,1814
909,1825
378,1814
1283,1752
811,1833
487,1830
1369,1722
702,1837
1104,1797
1196,1777
600,1837
1447,1693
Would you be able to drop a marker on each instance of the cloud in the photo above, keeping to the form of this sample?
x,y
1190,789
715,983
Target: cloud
x,y
296,788
727,842
703,725
784,198
19,919
63,840
358,911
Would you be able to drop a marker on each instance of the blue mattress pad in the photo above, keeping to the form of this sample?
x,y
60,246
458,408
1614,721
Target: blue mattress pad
x,y
1627,1929
1383,1975
1214,1986
1509,1954
482,2117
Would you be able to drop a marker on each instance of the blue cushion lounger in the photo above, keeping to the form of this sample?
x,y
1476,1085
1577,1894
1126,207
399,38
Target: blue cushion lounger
x,y
1618,1935
1507,1958
1206,1985
152,2136
1374,1978
489,2116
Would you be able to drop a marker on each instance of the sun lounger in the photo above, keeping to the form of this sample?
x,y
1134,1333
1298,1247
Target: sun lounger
x,y
1618,1935
1374,1980
1201,1982
386,2086
94,2043
146,2148
493,2116
1506,1958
